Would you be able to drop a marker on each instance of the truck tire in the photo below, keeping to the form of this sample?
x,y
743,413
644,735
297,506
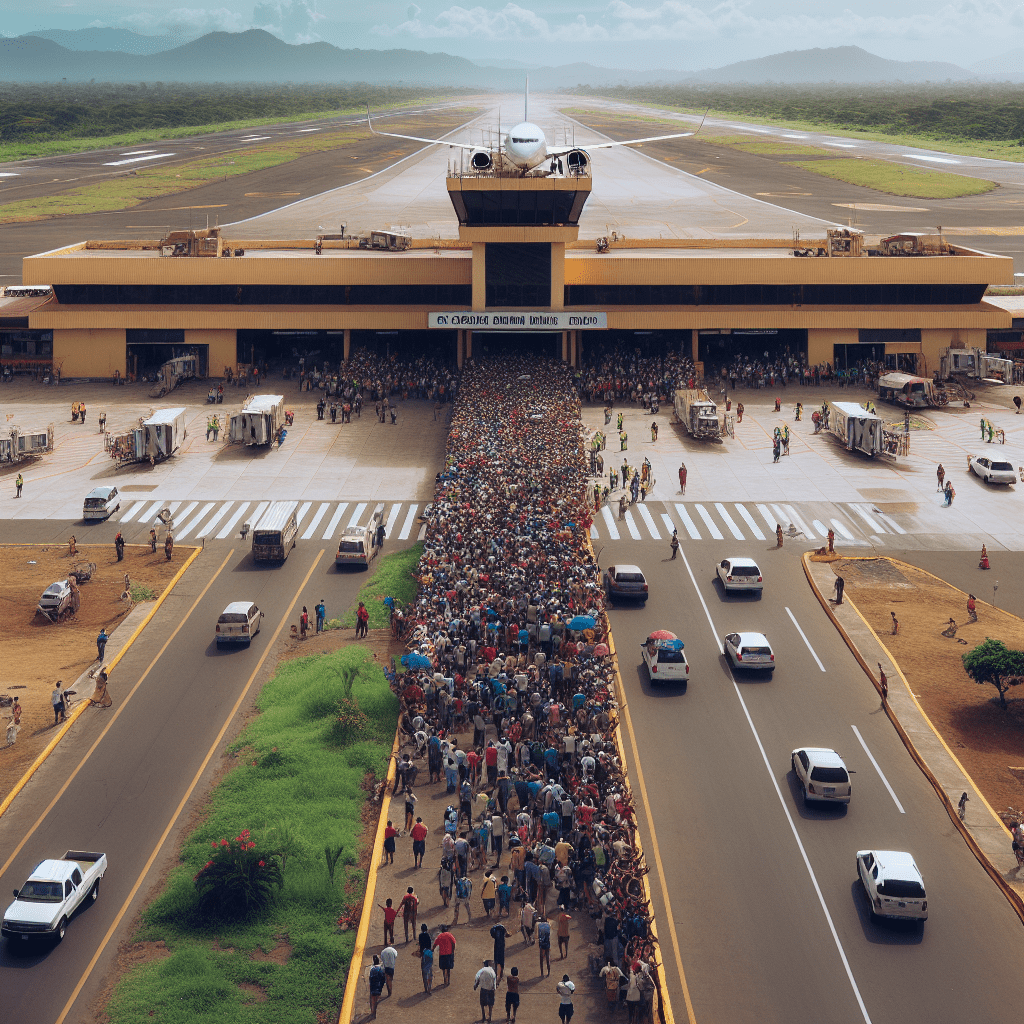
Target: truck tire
x,y
62,927
95,891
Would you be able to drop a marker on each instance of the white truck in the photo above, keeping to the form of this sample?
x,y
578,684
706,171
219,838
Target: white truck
x,y
697,412
157,437
17,444
975,364
857,429
55,889
260,420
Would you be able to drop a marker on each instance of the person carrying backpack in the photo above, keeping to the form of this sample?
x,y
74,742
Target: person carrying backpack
x,y
463,895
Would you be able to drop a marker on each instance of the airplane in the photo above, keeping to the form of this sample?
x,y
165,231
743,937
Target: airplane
x,y
525,148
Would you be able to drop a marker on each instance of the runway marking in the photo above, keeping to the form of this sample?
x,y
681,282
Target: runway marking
x,y
631,525
208,206
335,519
841,145
407,525
704,171
649,521
803,636
212,524
751,522
881,775
931,159
688,522
729,521
315,522
359,509
783,195
709,522
609,519
215,746
234,519
136,159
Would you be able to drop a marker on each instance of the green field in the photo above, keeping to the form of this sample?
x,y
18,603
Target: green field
x,y
298,785
392,577
897,179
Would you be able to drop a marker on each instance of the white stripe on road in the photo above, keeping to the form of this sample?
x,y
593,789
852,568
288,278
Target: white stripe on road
x,y
359,509
895,799
230,525
866,517
185,512
254,519
389,526
733,528
613,530
670,527
842,529
892,524
805,640
130,514
820,527
320,513
302,513
770,521
335,519
688,522
594,535
631,526
212,524
407,525
751,522
800,524
196,520
147,513
649,520
709,522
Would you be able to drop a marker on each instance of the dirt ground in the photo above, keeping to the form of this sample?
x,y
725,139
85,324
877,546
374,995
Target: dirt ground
x,y
35,652
988,741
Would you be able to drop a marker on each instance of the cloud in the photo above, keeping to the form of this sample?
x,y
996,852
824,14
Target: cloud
x,y
186,21
292,20
510,22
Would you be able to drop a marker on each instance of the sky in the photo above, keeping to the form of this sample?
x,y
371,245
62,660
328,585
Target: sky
x,y
642,34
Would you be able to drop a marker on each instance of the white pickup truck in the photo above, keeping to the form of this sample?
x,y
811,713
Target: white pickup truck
x,y
54,891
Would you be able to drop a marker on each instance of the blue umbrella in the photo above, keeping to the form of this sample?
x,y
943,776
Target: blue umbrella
x,y
581,622
415,660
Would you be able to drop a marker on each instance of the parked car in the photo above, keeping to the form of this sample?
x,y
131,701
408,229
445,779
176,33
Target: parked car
x,y
894,884
238,623
665,660
101,503
749,650
740,574
823,775
992,471
625,582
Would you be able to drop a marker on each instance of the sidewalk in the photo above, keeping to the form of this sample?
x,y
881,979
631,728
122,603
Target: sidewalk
x,y
987,836
538,999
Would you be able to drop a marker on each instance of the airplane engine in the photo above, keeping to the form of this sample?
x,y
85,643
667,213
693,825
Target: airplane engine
x,y
481,160
577,161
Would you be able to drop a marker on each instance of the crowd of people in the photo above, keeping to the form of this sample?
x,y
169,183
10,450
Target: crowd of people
x,y
508,700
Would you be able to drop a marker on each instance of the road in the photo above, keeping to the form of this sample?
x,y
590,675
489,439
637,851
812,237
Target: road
x,y
771,922
120,782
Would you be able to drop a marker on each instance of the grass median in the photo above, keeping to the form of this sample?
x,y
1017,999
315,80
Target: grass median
x,y
326,723
897,179
393,577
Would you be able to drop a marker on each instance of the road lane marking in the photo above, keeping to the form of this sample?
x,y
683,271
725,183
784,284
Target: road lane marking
x,y
196,520
301,514
129,515
359,509
409,520
254,519
729,521
649,520
865,516
212,524
631,526
842,529
709,522
320,513
751,522
806,641
214,747
389,526
335,519
687,522
139,159
891,523
230,525
113,718
800,525
609,519
594,535
670,527
881,775
770,521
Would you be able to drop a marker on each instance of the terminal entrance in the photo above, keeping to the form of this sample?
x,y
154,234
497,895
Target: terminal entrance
x,y
499,344
725,348
284,349
148,350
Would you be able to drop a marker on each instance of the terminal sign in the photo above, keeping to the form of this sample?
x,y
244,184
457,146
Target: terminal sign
x,y
519,321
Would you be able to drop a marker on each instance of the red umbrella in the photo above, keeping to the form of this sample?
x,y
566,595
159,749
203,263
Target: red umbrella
x,y
601,650
662,634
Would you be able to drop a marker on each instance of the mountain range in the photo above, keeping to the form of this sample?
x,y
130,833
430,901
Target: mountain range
x,y
116,55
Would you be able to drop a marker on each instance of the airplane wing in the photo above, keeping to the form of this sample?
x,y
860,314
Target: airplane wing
x,y
416,138
562,150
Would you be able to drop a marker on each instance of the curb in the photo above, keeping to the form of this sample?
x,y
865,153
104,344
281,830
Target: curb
x,y
82,705
355,967
1013,898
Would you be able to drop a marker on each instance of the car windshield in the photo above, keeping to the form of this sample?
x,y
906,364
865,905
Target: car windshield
x,y
901,888
672,657
234,617
1002,466
54,589
757,650
351,546
95,502
42,892
628,577
745,570
820,774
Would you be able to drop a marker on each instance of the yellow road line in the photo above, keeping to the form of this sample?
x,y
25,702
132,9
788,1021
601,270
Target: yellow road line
x,y
78,711
188,793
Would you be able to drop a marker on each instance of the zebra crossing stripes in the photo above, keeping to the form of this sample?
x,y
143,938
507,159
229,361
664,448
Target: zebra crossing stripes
x,y
609,521
315,521
709,522
407,525
688,522
239,512
649,520
335,519
728,520
357,514
631,525
184,531
133,511
212,524
389,526
750,521
302,513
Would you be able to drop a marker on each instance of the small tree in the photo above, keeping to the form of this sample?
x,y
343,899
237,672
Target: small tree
x,y
993,662
238,881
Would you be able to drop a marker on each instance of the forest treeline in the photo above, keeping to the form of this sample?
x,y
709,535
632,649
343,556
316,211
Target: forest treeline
x,y
939,111
32,113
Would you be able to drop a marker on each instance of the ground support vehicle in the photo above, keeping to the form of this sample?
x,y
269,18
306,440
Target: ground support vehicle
x,y
697,412
260,421
17,445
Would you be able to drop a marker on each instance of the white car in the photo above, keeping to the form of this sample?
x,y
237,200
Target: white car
x,y
665,660
894,884
822,774
101,503
992,471
238,623
740,574
749,650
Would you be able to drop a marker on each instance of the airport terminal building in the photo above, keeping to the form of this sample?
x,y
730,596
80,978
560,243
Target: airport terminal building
x,y
518,276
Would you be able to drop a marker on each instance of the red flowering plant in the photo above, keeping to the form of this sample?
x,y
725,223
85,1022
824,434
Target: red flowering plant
x,y
238,880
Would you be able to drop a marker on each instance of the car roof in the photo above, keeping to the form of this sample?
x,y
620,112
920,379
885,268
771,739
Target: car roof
x,y
824,757
103,491
895,864
757,639
742,561
625,568
237,607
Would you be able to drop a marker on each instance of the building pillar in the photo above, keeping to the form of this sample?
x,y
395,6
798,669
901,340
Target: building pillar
x,y
557,275
348,344
694,345
565,346
479,292
459,342
579,348
469,344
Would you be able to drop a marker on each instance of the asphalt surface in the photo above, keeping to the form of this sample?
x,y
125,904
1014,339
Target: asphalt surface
x,y
774,179
133,777
221,202
772,922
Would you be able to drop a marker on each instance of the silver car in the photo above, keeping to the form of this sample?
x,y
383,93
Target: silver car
x,y
749,651
992,471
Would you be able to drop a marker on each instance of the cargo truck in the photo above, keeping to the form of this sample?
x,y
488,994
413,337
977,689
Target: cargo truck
x,y
697,412
857,429
260,421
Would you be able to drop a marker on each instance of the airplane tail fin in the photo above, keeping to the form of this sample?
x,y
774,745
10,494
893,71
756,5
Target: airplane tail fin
x,y
526,100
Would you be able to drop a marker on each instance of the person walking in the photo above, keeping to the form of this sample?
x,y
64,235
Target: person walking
x,y
940,475
562,924
389,960
623,441
168,546
362,620
390,914
376,978
799,411
409,905
883,686
895,624
445,945
776,449
419,842
101,643
512,995
950,494
972,608
544,944
304,623
209,428
81,411
486,981
674,544
739,412
103,422
682,478
982,428
152,540
216,428
119,546
321,615
831,541
19,482
463,895
565,989
654,431
1016,402
426,960
57,700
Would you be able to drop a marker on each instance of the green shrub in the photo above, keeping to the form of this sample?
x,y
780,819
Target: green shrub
x,y
238,881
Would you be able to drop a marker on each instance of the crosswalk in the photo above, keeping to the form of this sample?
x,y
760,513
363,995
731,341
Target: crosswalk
x,y
857,523
218,520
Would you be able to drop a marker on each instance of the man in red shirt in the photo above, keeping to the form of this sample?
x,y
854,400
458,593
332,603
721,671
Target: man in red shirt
x,y
491,760
389,923
390,832
409,904
445,946
419,842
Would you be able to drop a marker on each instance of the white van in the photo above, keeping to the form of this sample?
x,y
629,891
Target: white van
x,y
101,503
275,534
359,545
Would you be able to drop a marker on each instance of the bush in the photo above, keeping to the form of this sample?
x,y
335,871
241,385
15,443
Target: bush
x,y
238,881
